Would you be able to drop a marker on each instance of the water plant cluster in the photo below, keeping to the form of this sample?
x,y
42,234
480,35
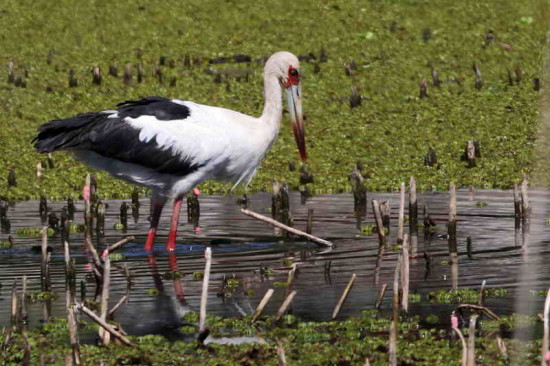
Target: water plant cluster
x,y
480,62
347,342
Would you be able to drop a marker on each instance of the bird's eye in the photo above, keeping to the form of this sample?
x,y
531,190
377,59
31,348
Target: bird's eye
x,y
293,72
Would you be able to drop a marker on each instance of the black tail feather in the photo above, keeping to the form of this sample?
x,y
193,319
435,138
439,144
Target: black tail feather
x,y
65,134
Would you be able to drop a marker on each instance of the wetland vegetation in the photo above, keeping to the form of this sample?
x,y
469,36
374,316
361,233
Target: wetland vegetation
x,y
428,78
384,49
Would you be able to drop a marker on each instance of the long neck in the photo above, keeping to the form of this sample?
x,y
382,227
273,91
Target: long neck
x,y
273,108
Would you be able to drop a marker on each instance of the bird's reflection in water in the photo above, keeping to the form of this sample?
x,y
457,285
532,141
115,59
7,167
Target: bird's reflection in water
x,y
163,315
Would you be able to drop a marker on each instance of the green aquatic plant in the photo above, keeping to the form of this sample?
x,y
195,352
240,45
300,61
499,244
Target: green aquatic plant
x,y
198,276
368,229
116,257
172,275
5,244
509,322
349,342
464,295
153,292
233,283
388,47
33,232
77,228
42,296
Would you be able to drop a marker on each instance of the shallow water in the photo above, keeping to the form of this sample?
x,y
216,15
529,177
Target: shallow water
x,y
242,245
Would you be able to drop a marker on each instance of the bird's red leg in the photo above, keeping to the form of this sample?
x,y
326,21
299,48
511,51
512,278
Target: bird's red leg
x,y
171,245
157,210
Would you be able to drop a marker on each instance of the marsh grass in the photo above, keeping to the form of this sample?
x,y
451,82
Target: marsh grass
x,y
393,44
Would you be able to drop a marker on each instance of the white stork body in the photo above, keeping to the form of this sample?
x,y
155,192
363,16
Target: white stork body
x,y
172,146
227,145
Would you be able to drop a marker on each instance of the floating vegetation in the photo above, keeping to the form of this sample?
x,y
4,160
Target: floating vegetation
x,y
464,295
153,292
172,275
368,229
391,129
198,276
510,322
481,204
77,228
41,296
541,293
415,298
118,226
5,244
116,257
233,283
431,319
279,284
33,232
93,305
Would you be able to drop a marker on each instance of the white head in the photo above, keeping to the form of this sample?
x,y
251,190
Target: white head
x,y
286,68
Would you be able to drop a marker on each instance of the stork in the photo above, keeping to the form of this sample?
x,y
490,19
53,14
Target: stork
x,y
171,146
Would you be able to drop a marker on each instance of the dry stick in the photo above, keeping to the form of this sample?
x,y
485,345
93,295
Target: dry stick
x,y
44,266
38,171
481,293
281,353
106,326
413,205
48,302
517,202
453,255
14,306
344,296
204,295
27,351
379,225
452,211
405,274
309,225
526,213
105,338
23,313
525,200
290,279
464,357
120,243
262,304
291,230
88,224
501,347
395,315
380,296
385,211
545,338
285,305
97,266
67,254
484,309
470,360
401,218
73,334
126,296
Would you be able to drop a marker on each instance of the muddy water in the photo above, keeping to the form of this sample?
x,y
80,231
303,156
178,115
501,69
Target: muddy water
x,y
241,246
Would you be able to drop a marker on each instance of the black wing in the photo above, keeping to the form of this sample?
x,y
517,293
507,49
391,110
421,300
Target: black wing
x,y
113,137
